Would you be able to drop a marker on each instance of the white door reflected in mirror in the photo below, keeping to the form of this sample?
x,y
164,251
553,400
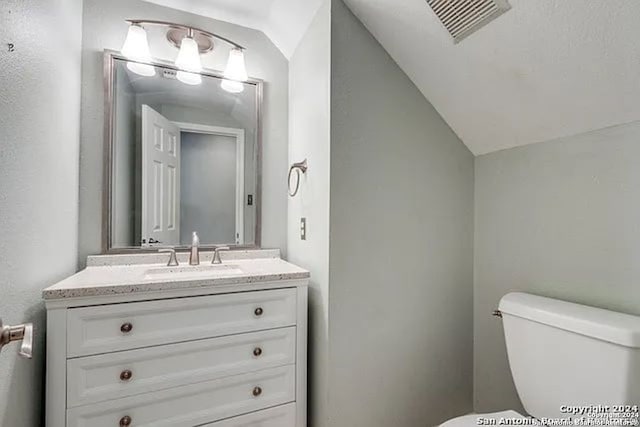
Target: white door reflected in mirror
x,y
161,148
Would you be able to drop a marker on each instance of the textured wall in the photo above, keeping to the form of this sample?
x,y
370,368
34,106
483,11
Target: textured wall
x,y
309,71
558,219
39,137
400,300
105,28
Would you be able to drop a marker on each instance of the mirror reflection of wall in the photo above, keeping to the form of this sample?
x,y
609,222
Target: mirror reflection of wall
x,y
184,160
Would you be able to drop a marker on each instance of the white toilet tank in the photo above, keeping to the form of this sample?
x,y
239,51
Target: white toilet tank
x,y
565,354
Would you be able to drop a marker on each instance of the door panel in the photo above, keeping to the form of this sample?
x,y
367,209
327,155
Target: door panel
x,y
160,179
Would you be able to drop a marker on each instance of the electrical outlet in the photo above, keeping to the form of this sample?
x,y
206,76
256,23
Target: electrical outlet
x,y
303,228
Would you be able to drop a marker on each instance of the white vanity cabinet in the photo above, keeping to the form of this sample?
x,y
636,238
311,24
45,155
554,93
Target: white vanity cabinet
x,y
229,355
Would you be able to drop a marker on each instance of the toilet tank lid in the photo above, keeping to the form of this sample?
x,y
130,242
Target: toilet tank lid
x,y
610,326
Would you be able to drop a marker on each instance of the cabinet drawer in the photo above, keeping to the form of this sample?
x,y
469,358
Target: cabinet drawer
x,y
194,404
280,416
110,376
109,328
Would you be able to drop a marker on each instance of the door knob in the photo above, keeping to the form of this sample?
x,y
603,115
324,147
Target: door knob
x,y
22,333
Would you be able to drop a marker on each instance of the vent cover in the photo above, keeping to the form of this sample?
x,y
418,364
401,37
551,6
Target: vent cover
x,y
461,18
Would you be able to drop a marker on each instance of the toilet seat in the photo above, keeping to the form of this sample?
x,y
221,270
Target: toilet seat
x,y
471,420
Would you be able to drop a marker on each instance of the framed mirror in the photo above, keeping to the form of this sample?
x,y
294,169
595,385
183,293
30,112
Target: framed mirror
x,y
179,158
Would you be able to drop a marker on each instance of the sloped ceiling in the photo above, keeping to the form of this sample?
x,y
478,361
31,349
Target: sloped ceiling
x,y
283,21
543,70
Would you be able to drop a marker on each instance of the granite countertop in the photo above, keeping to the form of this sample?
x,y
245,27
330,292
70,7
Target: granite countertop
x,y
126,274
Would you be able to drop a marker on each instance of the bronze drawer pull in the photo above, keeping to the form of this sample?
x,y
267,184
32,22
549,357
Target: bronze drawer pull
x,y
125,421
126,328
257,352
126,375
257,391
258,311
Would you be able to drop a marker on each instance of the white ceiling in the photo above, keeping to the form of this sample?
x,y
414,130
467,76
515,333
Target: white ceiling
x,y
543,70
283,21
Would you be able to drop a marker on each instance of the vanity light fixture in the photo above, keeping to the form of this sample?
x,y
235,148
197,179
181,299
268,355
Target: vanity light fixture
x,y
191,42
188,61
236,72
136,48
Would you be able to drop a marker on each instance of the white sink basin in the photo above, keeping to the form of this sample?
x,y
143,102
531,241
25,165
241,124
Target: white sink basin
x,y
192,271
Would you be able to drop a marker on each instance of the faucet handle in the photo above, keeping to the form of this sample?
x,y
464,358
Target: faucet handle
x,y
22,333
216,254
173,259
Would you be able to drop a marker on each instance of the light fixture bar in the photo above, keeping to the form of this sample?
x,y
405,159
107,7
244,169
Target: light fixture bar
x,y
185,27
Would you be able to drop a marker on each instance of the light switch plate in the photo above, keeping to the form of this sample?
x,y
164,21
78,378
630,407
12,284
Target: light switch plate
x,y
303,228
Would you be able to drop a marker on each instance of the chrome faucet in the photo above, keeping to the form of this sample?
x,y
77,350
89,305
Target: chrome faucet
x,y
194,255
216,254
173,259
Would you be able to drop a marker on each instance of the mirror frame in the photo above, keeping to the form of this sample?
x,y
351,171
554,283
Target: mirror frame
x,y
109,58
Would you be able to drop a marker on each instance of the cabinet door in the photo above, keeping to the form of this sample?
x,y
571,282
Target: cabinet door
x,y
110,328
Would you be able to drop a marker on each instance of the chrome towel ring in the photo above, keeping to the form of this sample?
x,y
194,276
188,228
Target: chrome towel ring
x,y
300,167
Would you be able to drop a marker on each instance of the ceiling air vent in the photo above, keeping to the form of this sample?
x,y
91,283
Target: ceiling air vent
x,y
461,18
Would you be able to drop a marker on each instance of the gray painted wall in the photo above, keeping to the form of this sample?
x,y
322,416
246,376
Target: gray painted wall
x,y
390,307
39,138
207,188
558,219
401,245
309,72
105,28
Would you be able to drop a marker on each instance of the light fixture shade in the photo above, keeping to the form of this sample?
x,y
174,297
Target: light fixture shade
x,y
189,56
236,69
232,86
145,70
189,78
136,45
